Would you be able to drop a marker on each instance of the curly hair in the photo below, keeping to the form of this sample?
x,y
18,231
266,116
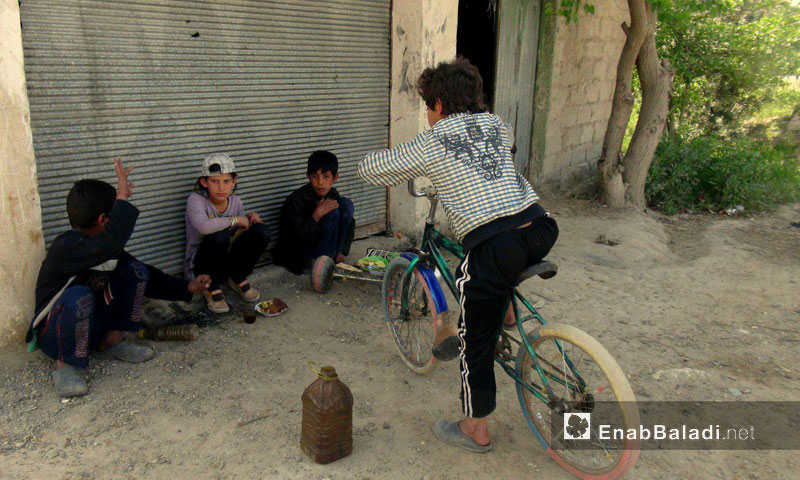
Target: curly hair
x,y
457,84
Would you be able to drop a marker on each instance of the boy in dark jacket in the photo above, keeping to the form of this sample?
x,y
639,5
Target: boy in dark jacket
x,y
315,219
89,290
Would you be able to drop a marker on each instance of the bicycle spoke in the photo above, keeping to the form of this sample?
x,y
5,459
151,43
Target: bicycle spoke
x,y
563,363
413,326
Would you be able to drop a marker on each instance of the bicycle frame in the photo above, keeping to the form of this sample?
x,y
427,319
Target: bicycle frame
x,y
430,251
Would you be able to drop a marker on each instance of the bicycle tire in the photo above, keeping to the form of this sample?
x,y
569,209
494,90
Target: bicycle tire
x,y
616,380
421,359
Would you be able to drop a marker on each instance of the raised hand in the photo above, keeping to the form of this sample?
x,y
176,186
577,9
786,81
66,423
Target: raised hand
x,y
124,188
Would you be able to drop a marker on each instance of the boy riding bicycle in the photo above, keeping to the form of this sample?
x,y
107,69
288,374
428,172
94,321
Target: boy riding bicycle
x,y
493,212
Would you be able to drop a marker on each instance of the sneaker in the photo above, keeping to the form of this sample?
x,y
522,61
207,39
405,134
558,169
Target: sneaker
x,y
216,302
68,381
247,292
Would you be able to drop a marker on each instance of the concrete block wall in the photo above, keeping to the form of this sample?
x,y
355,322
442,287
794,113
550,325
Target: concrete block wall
x,y
22,245
583,78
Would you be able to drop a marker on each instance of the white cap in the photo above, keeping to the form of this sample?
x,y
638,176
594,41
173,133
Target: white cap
x,y
223,163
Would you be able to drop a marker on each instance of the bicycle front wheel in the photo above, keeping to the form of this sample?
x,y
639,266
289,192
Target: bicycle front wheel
x,y
413,328
585,378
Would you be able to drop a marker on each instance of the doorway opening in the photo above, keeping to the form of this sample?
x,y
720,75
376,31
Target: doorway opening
x,y
476,40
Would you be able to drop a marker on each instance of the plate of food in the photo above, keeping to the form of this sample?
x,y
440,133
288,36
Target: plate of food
x,y
271,308
372,264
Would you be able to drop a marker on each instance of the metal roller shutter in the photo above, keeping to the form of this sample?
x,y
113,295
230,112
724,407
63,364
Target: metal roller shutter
x,y
162,83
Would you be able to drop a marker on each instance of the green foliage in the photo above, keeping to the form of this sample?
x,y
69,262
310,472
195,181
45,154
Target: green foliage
x,y
636,87
732,59
780,102
729,57
711,172
568,9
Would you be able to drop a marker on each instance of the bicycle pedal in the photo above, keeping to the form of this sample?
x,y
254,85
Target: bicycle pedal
x,y
503,347
500,348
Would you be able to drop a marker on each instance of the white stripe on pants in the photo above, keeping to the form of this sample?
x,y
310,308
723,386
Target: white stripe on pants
x,y
462,331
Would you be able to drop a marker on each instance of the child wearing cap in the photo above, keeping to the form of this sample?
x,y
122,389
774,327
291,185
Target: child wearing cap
x,y
221,240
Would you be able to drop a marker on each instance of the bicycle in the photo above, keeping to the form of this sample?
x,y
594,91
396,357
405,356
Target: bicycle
x,y
552,371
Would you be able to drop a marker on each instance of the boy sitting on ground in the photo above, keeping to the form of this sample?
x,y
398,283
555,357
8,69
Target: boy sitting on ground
x,y
315,219
89,290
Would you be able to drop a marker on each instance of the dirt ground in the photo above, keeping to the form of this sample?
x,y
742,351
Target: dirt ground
x,y
690,306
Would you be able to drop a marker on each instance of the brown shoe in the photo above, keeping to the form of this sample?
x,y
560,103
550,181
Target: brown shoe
x,y
216,302
446,344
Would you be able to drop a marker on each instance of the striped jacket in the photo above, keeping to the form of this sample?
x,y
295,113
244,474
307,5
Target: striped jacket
x,y
467,157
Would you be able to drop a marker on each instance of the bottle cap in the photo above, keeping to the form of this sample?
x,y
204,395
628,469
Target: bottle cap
x,y
328,373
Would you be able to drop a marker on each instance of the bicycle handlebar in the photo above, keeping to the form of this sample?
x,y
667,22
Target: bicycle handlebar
x,y
429,192
413,191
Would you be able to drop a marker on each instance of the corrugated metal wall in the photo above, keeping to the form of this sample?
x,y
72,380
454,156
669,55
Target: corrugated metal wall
x,y
162,83
515,75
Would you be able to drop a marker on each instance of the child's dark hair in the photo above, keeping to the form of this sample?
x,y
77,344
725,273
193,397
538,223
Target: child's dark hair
x,y
87,200
198,187
457,84
322,160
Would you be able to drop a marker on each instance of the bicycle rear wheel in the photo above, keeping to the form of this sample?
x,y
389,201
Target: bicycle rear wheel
x,y
585,378
414,329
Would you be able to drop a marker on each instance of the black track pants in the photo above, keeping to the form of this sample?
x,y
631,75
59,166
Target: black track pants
x,y
221,257
486,278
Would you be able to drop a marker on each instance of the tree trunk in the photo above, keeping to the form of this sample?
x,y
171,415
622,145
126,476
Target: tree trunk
x,y
656,78
610,163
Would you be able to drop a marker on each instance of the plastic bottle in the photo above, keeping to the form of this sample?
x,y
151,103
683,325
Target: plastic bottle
x,y
327,432
186,333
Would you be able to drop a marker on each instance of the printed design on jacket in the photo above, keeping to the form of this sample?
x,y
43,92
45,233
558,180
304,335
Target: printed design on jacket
x,y
479,149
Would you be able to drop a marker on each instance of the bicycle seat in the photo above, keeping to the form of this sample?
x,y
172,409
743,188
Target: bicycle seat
x,y
544,269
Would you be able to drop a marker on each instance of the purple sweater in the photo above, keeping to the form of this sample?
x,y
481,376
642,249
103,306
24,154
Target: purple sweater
x,y
202,218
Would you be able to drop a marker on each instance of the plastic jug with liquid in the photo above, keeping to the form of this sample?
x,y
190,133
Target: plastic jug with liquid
x,y
327,432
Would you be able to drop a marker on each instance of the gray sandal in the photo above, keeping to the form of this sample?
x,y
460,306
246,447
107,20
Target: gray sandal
x,y
127,352
449,433
68,381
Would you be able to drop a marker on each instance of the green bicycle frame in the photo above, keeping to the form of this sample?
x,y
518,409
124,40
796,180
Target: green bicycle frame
x,y
432,242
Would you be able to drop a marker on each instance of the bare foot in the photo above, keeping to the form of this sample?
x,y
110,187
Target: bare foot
x,y
112,338
510,319
476,429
